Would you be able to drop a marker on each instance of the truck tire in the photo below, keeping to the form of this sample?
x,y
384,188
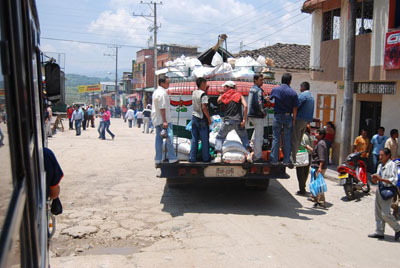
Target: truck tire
x,y
257,184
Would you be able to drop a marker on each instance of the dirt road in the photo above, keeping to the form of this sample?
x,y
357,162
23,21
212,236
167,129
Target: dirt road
x,y
118,214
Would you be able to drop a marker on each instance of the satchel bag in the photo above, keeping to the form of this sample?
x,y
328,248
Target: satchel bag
x,y
56,207
387,192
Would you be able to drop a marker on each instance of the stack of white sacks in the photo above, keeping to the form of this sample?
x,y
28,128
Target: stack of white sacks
x,y
237,68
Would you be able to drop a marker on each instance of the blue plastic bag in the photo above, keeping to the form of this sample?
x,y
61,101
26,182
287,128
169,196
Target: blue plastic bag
x,y
189,126
317,185
397,162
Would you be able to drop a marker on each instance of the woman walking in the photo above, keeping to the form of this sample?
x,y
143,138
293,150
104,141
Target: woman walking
x,y
107,124
101,125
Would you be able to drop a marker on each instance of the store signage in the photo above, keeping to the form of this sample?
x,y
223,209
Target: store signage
x,y
89,88
392,51
375,88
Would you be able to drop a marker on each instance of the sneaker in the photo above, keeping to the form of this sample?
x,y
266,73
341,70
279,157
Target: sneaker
x,y
301,192
218,159
173,161
378,236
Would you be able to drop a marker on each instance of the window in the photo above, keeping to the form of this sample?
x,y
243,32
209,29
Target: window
x,y
6,180
331,25
394,14
364,17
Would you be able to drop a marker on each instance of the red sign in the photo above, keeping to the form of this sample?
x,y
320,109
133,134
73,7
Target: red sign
x,y
392,51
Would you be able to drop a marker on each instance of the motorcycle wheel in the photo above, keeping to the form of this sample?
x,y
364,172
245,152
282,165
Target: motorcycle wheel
x,y
349,191
367,189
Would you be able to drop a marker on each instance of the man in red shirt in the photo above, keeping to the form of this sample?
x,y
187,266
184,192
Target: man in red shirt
x,y
70,110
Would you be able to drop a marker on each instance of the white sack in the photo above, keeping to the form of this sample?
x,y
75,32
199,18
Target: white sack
x,y
217,59
233,158
224,70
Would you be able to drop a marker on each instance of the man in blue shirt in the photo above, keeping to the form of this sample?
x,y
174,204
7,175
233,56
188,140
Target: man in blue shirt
x,y
378,143
305,113
286,103
90,113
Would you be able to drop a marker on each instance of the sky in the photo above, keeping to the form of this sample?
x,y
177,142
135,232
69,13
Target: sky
x,y
186,22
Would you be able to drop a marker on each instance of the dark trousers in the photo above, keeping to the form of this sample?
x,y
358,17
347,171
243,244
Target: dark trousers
x,y
130,123
71,124
200,131
90,121
84,124
302,175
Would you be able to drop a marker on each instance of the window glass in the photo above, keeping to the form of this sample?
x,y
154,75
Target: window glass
x,y
364,17
6,187
331,25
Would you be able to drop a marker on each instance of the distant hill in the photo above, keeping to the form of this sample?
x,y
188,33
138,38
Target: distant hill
x,y
74,80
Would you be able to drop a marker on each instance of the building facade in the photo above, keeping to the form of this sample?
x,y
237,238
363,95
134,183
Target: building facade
x,y
377,60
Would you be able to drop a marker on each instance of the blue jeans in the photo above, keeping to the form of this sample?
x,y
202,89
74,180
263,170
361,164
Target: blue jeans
x,y
106,127
200,131
375,160
130,123
1,137
225,129
100,128
281,122
78,124
168,143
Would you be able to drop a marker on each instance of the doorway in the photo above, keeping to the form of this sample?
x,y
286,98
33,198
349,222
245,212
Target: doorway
x,y
370,117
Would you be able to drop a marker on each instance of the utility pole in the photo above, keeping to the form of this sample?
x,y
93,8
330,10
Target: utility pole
x,y
116,72
345,131
153,29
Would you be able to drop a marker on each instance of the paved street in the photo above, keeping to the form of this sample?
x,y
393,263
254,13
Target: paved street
x,y
118,214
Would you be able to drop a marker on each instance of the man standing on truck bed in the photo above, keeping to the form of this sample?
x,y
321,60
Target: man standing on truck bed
x,y
161,116
200,122
286,103
257,114
234,119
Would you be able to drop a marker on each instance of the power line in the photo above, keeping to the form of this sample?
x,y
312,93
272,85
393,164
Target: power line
x,y
89,42
277,31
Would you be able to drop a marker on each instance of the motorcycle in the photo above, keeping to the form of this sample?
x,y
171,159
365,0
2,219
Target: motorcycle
x,y
353,175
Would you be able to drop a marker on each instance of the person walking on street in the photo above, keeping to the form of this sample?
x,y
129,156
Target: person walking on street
x,y
362,144
320,163
77,116
85,118
135,117
257,115
392,143
200,122
1,132
49,115
303,171
378,143
330,138
101,124
305,113
139,116
386,176
107,123
70,110
90,113
129,115
161,116
146,118
286,103
235,107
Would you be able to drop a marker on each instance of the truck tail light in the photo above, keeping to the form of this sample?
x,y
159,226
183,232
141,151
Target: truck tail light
x,y
182,172
266,170
253,170
193,171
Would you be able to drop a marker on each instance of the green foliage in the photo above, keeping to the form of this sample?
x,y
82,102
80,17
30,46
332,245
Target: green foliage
x,y
74,80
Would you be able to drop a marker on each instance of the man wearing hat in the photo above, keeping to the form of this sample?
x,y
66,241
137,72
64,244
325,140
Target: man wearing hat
x,y
235,116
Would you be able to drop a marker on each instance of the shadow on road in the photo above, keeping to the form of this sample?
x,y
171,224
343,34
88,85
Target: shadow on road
x,y
227,197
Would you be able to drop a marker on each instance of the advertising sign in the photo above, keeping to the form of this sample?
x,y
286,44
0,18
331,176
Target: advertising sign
x,y
89,88
392,51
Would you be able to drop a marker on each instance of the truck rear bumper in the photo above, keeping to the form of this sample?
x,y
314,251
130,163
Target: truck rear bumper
x,y
200,170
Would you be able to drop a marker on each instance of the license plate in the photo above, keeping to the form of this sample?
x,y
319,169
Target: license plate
x,y
224,171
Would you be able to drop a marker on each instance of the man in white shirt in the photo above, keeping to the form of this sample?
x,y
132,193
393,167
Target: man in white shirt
x,y
77,116
387,177
161,116
130,115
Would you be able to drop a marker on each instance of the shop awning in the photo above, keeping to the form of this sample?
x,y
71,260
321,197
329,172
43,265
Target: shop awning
x,y
310,5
